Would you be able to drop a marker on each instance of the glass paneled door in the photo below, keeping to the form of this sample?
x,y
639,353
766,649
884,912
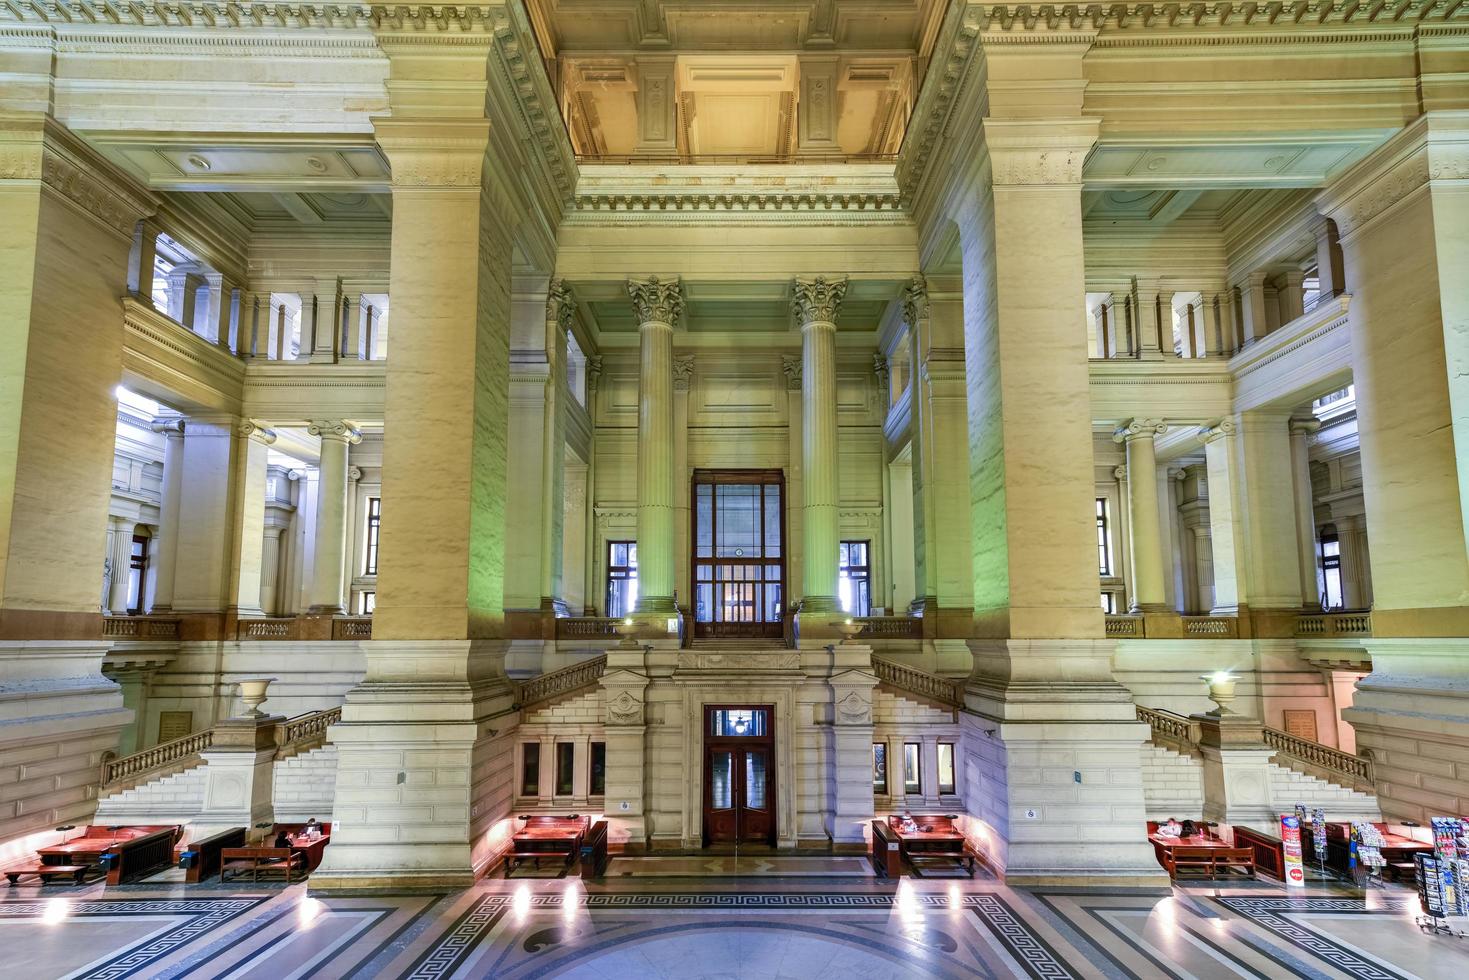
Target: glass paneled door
x,y
739,553
739,775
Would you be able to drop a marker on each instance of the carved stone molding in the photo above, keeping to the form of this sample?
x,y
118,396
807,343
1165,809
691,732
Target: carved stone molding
x,y
1119,473
880,370
1139,429
790,365
168,428
32,148
354,474
738,661
594,371
1222,429
449,154
915,300
853,709
336,430
624,709
560,305
683,372
817,300
257,430
655,300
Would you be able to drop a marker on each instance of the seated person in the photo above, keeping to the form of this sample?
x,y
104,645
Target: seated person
x,y
1170,829
1189,829
312,828
282,839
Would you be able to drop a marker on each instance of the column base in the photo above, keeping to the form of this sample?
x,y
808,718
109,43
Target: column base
x,y
655,604
326,611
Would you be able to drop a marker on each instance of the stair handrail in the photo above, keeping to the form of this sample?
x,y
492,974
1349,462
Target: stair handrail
x,y
150,761
305,732
944,690
1170,729
1341,767
539,690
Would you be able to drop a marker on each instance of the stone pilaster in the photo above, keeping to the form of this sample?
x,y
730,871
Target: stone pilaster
x,y
238,775
328,584
165,545
1146,547
816,110
852,684
1237,784
247,520
683,381
1224,519
560,314
658,305
624,693
142,260
657,102
119,557
1152,335
1254,317
815,305
1306,542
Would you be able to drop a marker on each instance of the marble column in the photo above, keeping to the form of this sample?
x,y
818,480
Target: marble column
x,y
1150,336
1224,524
327,583
119,558
560,313
683,381
165,547
434,707
816,302
270,566
1306,538
790,367
247,521
1149,594
658,305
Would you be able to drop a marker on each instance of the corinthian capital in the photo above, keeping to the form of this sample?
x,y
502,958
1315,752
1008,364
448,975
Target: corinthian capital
x,y
560,306
915,300
1139,429
792,368
683,372
816,300
337,430
656,301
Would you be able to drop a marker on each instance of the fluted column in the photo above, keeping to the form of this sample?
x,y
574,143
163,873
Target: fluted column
x,y
165,550
1137,435
1300,458
270,566
119,558
658,305
560,311
331,515
248,518
816,302
1224,516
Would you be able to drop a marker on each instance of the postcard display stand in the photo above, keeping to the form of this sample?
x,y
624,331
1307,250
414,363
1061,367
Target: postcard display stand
x,y
1442,878
1367,851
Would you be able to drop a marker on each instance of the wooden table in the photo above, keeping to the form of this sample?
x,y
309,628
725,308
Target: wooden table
x,y
310,848
940,839
544,837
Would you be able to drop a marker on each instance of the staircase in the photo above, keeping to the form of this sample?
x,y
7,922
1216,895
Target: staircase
x,y
737,644
174,798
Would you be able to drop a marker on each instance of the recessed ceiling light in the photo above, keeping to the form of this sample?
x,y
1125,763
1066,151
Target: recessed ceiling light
x,y
315,163
198,162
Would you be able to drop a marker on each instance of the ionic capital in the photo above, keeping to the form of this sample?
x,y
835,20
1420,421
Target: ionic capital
x,y
354,474
1219,430
560,305
656,301
170,428
256,430
1139,429
335,430
915,300
1305,426
816,300
1119,473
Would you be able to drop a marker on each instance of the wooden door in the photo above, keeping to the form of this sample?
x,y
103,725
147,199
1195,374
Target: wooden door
x,y
739,775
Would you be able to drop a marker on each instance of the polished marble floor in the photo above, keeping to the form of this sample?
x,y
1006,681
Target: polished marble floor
x,y
711,918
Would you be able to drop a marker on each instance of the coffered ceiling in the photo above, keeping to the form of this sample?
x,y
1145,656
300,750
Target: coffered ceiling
x,y
761,80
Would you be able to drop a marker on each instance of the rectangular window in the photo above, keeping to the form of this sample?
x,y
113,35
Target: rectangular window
x,y
374,524
366,603
137,574
1109,603
622,578
1331,569
739,722
565,764
530,769
854,578
912,769
946,768
598,769
880,768
1104,540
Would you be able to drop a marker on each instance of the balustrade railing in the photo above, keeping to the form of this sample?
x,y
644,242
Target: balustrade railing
x,y
539,690
1125,626
139,628
585,627
359,628
920,682
890,627
1323,761
162,759
305,732
1216,626
1334,624
1171,730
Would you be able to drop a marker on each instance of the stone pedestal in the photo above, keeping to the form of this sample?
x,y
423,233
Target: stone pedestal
x,y
1237,786
624,691
852,682
238,775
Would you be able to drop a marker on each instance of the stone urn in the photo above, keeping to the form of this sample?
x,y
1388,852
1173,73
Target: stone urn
x,y
629,629
252,692
849,628
1221,690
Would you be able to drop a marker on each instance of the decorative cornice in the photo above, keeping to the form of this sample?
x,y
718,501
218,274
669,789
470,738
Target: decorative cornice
x,y
1222,429
256,430
655,300
817,300
790,365
40,149
447,153
335,430
560,305
915,301
737,202
1139,429
683,372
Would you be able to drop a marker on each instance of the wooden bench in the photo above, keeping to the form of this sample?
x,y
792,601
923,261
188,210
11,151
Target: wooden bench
x,y
201,859
594,850
270,861
886,853
547,836
1210,860
1267,849
46,872
138,857
936,838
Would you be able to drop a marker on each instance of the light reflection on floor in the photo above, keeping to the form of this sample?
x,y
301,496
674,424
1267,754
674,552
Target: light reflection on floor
x,y
771,926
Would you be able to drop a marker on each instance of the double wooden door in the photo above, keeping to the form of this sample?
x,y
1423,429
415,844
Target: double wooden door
x,y
739,794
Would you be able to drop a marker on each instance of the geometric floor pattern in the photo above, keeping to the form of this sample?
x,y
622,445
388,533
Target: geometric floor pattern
x,y
779,924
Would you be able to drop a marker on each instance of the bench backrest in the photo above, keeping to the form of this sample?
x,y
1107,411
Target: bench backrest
x,y
579,824
1234,855
934,824
1195,853
230,853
